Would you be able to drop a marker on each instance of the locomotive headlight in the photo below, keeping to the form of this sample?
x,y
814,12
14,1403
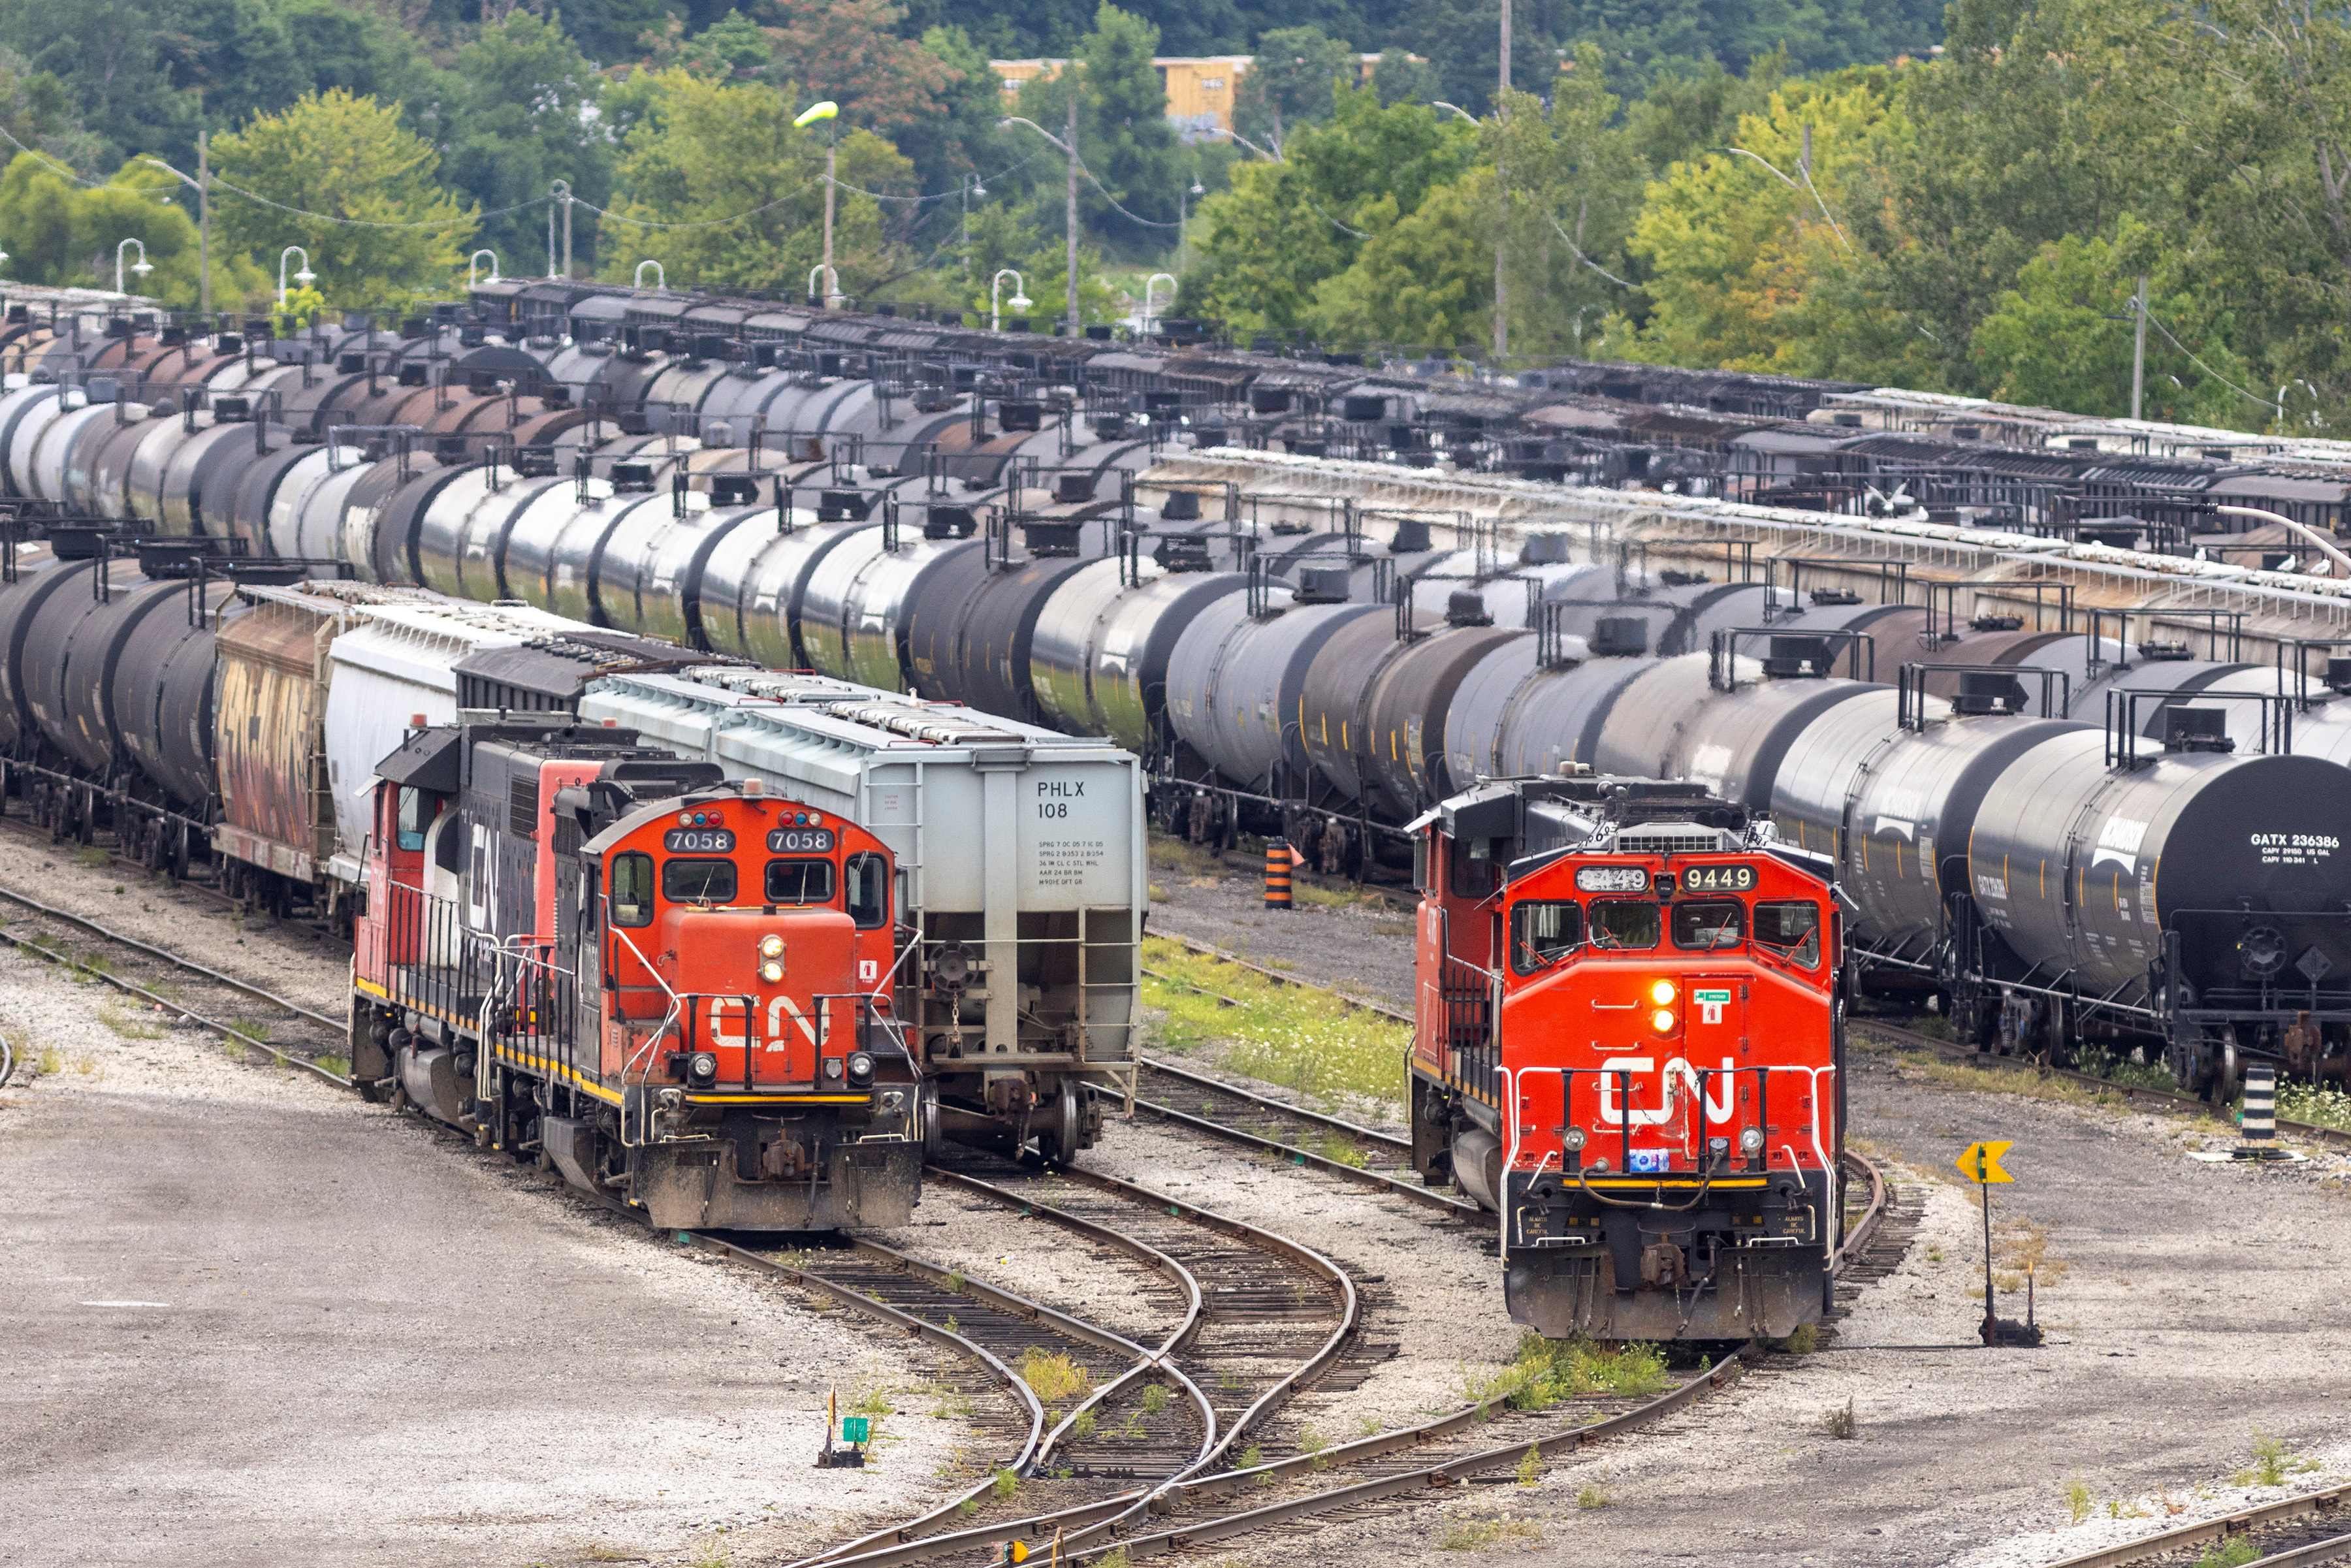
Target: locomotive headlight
x,y
1662,1021
771,946
771,972
704,1068
860,1067
1663,993
1750,1141
1574,1138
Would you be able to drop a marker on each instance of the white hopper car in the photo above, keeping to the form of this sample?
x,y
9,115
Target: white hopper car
x,y
1022,863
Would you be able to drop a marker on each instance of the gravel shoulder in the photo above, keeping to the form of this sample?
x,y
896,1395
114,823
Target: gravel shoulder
x,y
253,1321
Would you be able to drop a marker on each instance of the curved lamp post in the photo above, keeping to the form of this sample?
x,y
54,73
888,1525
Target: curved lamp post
x,y
996,298
139,267
473,260
306,277
661,276
1148,317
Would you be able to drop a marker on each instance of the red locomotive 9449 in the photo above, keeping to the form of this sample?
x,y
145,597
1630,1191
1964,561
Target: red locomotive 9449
x,y
1630,1046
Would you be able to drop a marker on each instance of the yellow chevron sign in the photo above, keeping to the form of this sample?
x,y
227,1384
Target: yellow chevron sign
x,y
1981,1163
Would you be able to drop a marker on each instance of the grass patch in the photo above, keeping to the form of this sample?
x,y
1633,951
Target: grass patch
x,y
1530,1466
1592,1498
2099,1063
49,1061
1155,1398
1084,1428
1052,1376
1179,855
2230,1554
1803,1342
1117,1559
90,854
339,1066
2273,1462
2078,1500
1842,1425
1310,897
1341,1149
1005,1484
2308,1103
1546,1371
128,1026
1477,1534
251,1031
1297,1036
1992,1080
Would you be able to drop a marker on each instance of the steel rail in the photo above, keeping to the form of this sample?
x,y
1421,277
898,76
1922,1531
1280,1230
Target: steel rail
x,y
2169,1541
174,959
226,1031
1205,951
2336,1137
1402,1145
1434,1476
898,1543
914,1326
1378,1180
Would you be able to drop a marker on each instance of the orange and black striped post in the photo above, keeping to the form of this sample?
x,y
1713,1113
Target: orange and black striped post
x,y
1276,874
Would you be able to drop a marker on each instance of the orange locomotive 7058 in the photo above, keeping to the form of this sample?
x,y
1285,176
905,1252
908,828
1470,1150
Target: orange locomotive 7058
x,y
1630,1045
674,990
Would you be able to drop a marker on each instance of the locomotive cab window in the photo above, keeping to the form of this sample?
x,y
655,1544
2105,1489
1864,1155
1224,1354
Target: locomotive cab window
x,y
1706,923
800,882
698,881
417,810
1542,931
632,890
1791,928
868,892
1625,922
1475,873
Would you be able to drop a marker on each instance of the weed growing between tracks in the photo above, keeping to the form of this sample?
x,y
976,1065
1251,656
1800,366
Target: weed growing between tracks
x,y
2309,1102
1302,1039
1548,1371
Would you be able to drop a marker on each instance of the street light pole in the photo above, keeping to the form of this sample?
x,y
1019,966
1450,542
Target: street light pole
x,y
203,226
1502,191
831,278
1072,144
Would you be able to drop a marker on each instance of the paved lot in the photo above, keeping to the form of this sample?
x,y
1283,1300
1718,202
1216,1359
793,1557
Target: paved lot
x,y
250,1321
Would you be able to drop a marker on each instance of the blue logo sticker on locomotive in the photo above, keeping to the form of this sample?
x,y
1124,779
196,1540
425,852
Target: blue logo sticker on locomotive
x,y
1650,1162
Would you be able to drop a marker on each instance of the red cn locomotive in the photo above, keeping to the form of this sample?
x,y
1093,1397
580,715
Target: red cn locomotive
x,y
1630,1044
674,989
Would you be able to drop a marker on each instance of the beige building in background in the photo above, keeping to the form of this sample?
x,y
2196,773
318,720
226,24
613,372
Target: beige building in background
x,y
1199,88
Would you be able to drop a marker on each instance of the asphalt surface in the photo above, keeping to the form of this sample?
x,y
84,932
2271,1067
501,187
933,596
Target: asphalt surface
x,y
251,1321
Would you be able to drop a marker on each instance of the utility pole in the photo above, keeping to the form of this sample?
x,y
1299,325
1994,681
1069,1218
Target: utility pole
x,y
2139,347
1502,188
567,230
205,226
1074,329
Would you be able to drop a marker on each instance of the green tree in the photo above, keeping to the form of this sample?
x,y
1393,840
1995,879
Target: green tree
x,y
726,157
1292,82
1424,280
382,232
1401,77
522,112
1575,185
2062,337
1267,244
59,233
1749,266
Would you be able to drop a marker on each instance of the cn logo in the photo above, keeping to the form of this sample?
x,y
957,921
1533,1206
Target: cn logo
x,y
1679,1079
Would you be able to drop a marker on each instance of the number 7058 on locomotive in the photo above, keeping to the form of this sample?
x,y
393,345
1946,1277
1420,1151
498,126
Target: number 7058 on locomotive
x,y
1629,1044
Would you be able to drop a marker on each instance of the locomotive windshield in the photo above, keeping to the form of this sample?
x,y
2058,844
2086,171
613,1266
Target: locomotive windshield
x,y
868,892
698,881
1790,928
1708,923
1542,931
1623,923
800,882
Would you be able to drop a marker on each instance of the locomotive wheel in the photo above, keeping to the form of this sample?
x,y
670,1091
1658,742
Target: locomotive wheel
x,y
1057,1141
927,1130
2229,1070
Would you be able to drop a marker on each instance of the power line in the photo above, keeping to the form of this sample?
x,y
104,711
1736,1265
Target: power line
x,y
2256,397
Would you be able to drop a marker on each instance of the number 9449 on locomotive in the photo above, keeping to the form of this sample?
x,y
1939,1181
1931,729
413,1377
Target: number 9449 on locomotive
x,y
1629,1045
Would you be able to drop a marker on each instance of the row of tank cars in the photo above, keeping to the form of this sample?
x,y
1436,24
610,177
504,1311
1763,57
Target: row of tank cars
x,y
912,508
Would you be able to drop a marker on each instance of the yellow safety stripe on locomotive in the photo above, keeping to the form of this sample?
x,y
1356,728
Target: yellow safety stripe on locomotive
x,y
1718,1182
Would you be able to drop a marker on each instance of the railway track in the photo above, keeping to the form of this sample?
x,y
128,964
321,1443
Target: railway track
x,y
2133,1093
196,993
2293,1532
